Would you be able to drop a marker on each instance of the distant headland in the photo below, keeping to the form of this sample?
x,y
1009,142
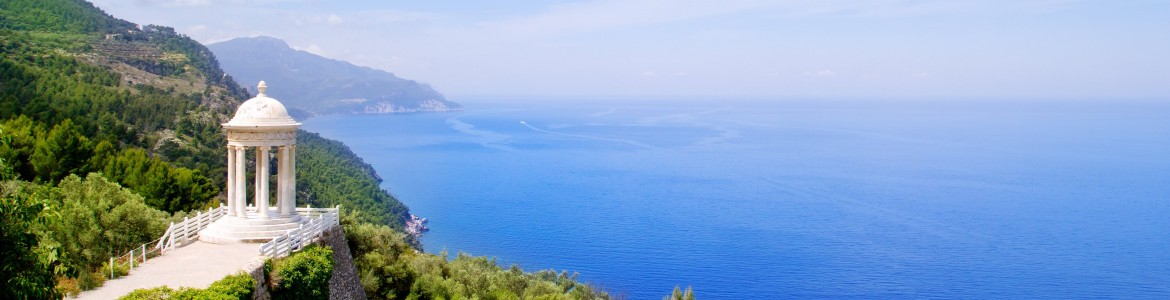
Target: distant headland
x,y
314,85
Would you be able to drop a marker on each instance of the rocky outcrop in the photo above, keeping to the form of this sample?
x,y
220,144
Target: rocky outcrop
x,y
416,226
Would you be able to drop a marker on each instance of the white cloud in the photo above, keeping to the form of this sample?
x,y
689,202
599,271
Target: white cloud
x,y
196,29
821,73
608,14
333,19
189,3
612,14
394,16
314,49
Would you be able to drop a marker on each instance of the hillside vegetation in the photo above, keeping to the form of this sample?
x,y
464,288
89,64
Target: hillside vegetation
x,y
110,130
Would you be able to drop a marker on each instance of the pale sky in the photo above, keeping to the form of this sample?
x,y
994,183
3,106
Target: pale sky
x,y
879,49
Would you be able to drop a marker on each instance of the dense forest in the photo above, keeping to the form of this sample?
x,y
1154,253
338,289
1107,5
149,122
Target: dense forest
x,y
109,131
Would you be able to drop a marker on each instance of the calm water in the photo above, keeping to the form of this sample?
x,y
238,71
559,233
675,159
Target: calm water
x,y
794,199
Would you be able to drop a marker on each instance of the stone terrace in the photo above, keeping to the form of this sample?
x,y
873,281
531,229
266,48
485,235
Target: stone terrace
x,y
196,265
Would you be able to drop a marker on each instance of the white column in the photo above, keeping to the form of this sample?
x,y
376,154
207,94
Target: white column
x,y
279,178
262,173
292,179
280,169
240,185
282,199
231,180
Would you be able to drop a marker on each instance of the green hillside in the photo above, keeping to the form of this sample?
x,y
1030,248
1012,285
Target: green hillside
x,y
85,92
140,109
110,130
74,102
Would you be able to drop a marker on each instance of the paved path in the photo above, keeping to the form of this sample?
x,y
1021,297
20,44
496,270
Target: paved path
x,y
195,265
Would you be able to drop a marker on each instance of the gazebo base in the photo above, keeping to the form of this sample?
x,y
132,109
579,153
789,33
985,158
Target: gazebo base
x,y
253,229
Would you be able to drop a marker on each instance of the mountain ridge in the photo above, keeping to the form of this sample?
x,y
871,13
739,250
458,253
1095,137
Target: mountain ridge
x,y
317,85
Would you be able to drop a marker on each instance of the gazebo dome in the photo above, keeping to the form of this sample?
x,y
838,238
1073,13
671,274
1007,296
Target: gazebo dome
x,y
263,124
261,111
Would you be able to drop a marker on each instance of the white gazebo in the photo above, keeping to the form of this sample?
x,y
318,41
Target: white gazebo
x,y
264,125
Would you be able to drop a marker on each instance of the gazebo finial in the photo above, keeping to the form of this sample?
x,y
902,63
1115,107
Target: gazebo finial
x,y
262,87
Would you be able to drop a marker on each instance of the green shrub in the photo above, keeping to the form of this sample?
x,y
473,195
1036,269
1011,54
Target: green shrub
x,y
90,280
26,261
304,275
68,287
679,294
158,293
378,250
98,218
120,269
501,295
390,269
237,286
232,287
200,294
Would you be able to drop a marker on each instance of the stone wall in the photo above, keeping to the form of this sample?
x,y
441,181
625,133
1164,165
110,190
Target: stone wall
x,y
345,283
256,269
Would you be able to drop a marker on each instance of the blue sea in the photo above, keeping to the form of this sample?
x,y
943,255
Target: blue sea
x,y
793,198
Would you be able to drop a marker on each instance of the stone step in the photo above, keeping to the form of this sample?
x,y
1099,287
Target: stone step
x,y
227,227
220,237
246,234
254,217
231,230
237,221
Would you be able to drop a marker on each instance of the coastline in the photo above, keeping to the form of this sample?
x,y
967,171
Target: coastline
x,y
302,115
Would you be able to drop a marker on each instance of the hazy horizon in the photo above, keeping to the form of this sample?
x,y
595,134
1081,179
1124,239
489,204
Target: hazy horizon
x,y
1032,49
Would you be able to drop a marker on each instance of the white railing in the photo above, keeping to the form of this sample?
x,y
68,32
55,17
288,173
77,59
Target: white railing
x,y
188,229
176,233
320,220
136,257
